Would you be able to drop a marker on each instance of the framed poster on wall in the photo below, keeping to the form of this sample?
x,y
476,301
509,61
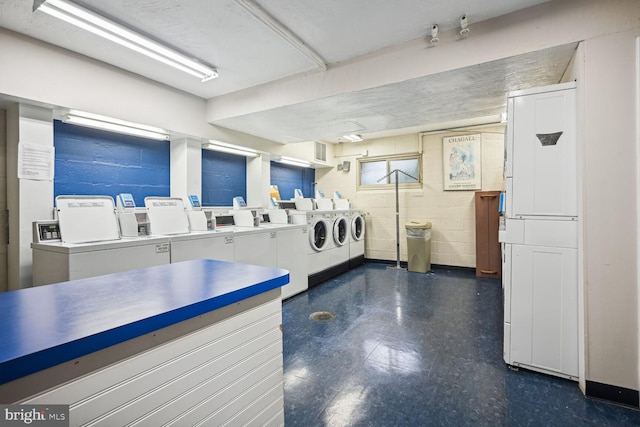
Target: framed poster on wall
x,y
462,162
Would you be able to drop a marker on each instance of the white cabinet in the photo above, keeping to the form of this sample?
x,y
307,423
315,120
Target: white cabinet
x,y
542,143
540,264
544,317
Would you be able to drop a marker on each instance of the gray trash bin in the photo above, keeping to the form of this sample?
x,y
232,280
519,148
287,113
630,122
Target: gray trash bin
x,y
418,246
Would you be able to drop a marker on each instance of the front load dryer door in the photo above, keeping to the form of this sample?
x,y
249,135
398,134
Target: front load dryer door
x,y
340,231
357,227
318,235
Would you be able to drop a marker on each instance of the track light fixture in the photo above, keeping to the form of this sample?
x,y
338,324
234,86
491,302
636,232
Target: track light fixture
x,y
434,34
464,25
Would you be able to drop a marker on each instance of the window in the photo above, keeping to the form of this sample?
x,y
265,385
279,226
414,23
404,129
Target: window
x,y
378,172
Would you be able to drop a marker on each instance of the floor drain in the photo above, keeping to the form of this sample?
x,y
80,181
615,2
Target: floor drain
x,y
322,316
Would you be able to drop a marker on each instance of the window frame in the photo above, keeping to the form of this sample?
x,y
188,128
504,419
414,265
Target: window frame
x,y
388,160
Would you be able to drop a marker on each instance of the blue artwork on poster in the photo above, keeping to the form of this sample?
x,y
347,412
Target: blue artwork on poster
x,y
462,162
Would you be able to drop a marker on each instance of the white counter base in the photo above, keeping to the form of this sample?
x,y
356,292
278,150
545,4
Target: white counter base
x,y
229,372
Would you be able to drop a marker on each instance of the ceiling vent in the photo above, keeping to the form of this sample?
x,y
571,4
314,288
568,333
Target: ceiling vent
x,y
320,152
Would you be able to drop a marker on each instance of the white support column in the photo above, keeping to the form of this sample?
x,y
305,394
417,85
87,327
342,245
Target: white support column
x,y
258,180
186,167
27,200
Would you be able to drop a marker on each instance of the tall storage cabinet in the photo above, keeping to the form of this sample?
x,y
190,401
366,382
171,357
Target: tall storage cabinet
x,y
488,256
541,232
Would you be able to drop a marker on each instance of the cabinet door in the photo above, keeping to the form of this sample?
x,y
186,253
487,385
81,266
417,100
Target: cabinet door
x,y
544,154
488,257
544,310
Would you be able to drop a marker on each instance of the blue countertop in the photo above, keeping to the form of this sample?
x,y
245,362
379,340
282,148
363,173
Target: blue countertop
x,y
44,326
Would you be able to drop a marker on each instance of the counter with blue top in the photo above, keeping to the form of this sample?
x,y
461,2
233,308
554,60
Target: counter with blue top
x,y
178,343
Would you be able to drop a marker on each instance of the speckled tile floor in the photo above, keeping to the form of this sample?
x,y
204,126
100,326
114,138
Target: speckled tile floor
x,y
412,349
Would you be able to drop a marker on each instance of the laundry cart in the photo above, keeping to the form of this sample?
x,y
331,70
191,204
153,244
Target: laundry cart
x,y
418,246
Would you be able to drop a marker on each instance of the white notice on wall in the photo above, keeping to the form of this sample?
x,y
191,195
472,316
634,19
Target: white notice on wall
x,y
35,162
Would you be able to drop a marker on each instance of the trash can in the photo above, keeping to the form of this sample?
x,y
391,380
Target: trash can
x,y
419,246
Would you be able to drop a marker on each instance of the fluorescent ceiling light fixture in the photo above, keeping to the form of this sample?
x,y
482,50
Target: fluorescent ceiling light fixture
x,y
353,138
96,24
224,147
294,162
97,121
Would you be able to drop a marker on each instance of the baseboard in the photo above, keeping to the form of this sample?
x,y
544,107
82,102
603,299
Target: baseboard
x,y
356,261
433,266
322,276
386,262
621,395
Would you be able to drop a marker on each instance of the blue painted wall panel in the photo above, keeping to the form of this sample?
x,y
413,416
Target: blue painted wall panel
x,y
288,178
224,176
94,162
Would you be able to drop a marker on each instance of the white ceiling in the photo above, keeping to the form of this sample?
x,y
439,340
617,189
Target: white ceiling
x,y
247,53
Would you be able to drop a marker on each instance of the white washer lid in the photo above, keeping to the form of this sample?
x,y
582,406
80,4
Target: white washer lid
x,y
243,218
304,204
278,216
87,219
342,204
167,215
324,204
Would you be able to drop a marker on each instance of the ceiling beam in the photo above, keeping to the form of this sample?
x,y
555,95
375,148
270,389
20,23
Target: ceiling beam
x,y
283,32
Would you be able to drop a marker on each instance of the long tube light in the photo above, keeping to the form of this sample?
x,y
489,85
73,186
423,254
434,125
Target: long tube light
x,y
294,162
97,121
229,148
353,137
96,24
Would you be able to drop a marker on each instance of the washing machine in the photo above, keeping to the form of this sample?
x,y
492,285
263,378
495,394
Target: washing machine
x,y
356,238
340,241
214,244
320,244
85,241
291,240
293,243
338,218
168,216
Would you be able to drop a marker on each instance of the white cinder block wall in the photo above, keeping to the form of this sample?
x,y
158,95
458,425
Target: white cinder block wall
x,y
452,213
